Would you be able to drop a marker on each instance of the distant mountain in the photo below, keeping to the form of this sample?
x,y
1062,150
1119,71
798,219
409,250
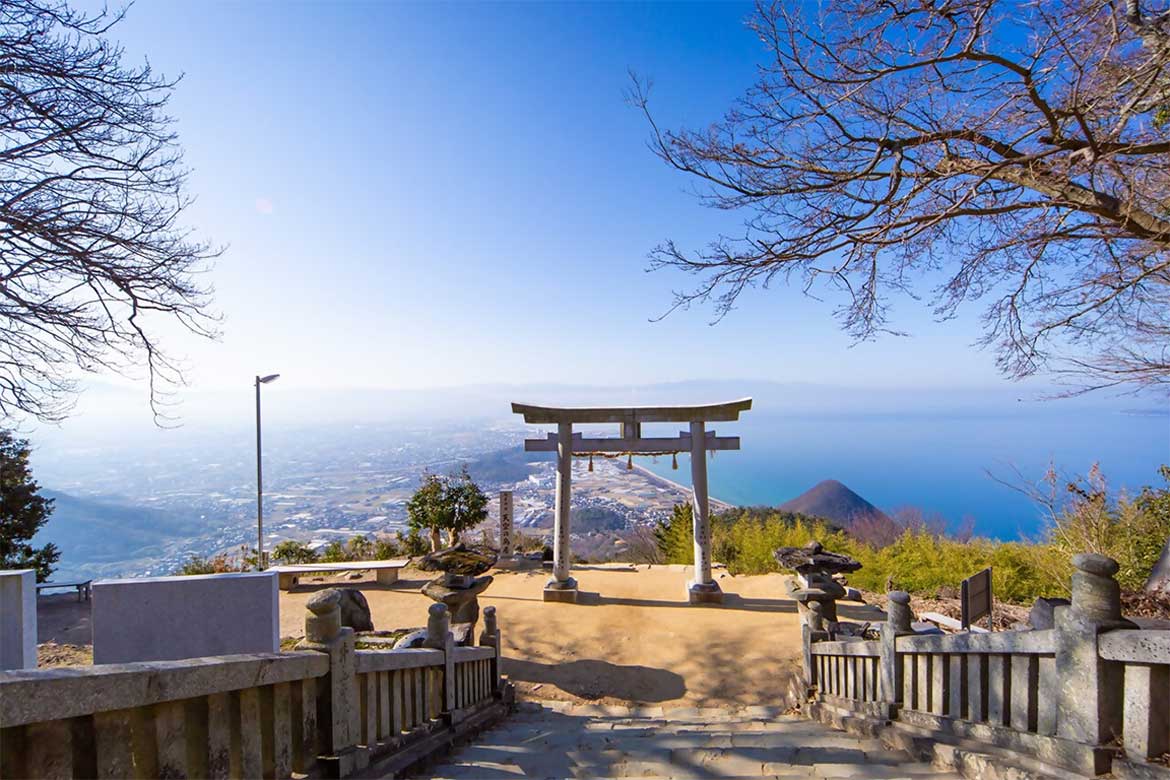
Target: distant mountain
x,y
833,501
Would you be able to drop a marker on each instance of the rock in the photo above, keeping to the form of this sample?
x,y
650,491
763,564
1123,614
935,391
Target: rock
x,y
1043,614
413,639
355,610
853,594
464,634
355,575
465,559
814,559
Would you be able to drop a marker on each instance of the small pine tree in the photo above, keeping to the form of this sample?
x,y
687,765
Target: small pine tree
x,y
675,535
22,511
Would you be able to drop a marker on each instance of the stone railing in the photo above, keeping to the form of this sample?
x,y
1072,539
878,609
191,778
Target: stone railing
x,y
1145,658
1089,696
326,710
235,715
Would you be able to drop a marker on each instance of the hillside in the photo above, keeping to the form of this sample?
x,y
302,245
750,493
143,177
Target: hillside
x,y
833,501
94,534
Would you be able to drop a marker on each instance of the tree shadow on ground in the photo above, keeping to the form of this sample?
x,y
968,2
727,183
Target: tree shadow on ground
x,y
591,678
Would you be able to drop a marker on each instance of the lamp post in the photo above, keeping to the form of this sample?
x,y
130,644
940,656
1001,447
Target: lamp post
x,y
260,380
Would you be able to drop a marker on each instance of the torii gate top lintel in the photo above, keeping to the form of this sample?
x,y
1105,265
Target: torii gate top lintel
x,y
722,412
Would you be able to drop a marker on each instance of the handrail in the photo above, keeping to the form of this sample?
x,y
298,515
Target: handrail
x,y
1136,647
1015,642
35,695
866,649
389,660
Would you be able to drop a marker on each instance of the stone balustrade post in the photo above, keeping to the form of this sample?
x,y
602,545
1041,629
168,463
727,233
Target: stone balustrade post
x,y
898,620
439,637
812,628
1090,690
338,704
490,637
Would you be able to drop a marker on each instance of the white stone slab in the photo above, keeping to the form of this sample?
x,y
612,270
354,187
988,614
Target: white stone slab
x,y
168,618
18,619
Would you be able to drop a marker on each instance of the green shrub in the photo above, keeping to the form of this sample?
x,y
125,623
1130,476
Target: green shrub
x,y
413,544
215,564
1085,518
334,552
291,551
386,549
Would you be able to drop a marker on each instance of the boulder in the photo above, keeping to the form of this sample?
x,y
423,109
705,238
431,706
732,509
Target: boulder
x,y
413,639
468,560
1043,614
355,610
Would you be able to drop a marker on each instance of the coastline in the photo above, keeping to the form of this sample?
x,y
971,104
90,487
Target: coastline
x,y
716,504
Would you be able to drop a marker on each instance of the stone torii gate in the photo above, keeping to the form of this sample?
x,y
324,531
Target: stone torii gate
x,y
697,441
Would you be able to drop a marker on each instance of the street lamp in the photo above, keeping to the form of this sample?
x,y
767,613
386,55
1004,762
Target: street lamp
x,y
260,380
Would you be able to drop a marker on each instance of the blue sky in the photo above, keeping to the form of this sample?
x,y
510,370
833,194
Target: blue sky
x,y
418,195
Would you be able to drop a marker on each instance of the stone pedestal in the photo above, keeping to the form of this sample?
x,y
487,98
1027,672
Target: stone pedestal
x,y
564,591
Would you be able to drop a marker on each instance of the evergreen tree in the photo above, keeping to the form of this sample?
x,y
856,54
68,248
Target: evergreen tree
x,y
452,504
675,536
22,511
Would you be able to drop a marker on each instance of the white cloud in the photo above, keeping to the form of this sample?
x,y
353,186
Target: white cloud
x,y
265,206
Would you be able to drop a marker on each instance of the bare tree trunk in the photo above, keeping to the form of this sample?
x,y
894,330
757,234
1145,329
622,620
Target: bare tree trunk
x,y
436,542
452,538
1159,580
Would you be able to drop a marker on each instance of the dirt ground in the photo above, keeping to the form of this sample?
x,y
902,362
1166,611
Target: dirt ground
x,y
632,637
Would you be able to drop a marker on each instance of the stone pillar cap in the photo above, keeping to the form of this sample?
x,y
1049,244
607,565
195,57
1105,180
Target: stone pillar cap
x,y
1095,563
899,596
437,610
324,601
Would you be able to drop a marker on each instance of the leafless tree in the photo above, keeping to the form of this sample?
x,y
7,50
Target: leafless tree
x,y
1017,153
92,256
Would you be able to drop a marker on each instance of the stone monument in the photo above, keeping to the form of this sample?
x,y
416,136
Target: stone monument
x,y
505,523
815,569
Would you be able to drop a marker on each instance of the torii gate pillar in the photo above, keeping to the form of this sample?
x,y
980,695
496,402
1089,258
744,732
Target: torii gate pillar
x,y
702,589
562,587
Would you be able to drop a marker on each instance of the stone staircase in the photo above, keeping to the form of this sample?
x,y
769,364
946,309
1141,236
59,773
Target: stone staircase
x,y
561,740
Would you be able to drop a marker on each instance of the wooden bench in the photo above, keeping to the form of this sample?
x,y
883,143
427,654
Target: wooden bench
x,y
83,588
291,574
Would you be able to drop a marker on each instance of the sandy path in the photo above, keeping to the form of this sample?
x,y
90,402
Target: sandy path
x,y
632,637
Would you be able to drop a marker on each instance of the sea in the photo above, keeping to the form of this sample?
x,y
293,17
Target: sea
x,y
966,467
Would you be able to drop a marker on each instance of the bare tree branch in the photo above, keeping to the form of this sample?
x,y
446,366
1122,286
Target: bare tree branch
x,y
1023,151
92,258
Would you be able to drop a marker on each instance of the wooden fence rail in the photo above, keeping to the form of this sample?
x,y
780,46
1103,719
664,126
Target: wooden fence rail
x,y
328,710
1088,696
